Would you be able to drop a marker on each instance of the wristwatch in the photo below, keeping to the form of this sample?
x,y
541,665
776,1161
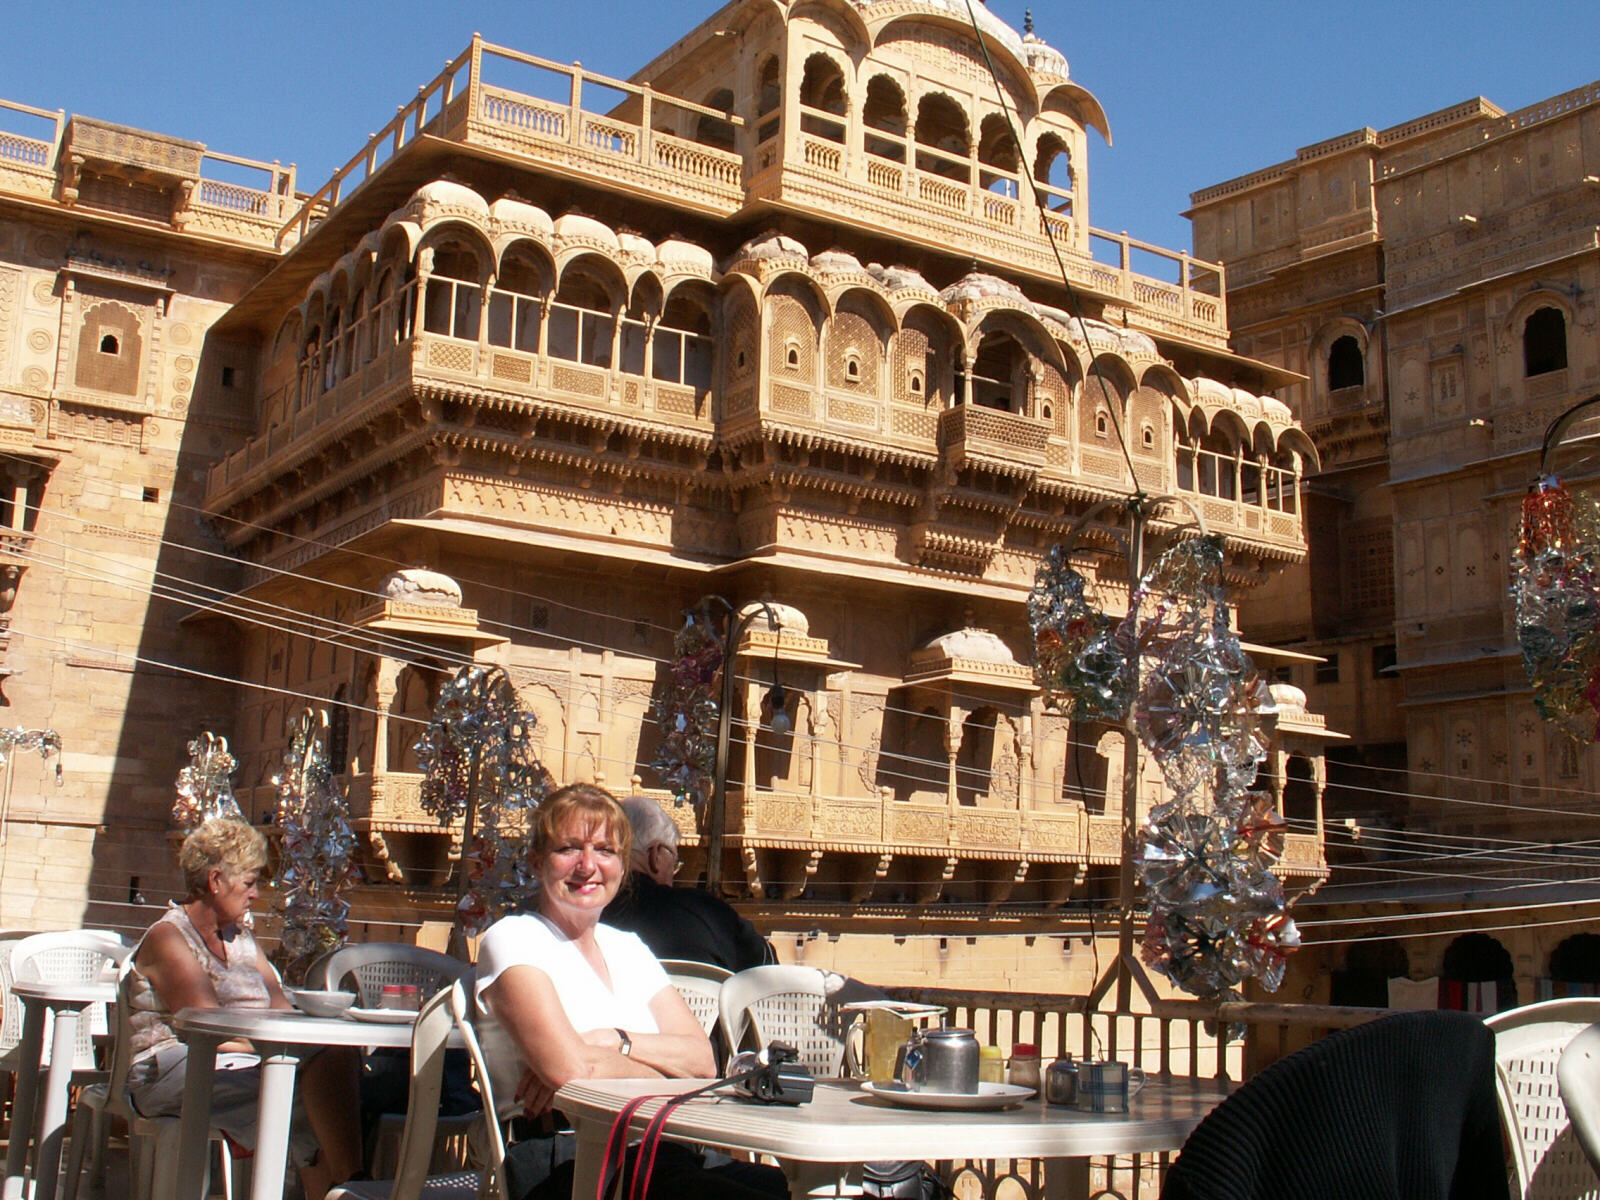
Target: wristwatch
x,y
625,1043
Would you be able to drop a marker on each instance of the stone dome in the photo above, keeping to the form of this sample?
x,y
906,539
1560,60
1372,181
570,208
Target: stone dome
x,y
418,585
837,262
790,619
772,245
987,21
1287,697
676,254
508,212
445,193
1276,410
635,246
976,286
900,279
976,645
574,227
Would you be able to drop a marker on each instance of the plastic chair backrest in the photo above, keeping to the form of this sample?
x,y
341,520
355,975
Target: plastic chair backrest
x,y
428,1039
785,1004
376,965
461,1010
1545,1151
121,1041
700,985
72,956
11,1016
1578,1077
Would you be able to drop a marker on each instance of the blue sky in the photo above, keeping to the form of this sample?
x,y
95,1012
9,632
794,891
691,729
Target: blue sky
x,y
1196,93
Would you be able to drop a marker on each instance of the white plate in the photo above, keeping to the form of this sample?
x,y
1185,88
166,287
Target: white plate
x,y
990,1095
385,1016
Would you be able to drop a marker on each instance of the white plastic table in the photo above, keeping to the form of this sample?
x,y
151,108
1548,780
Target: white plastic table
x,y
67,1001
843,1126
281,1038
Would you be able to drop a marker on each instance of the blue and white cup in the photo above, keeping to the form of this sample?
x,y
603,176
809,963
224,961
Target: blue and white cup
x,y
1106,1087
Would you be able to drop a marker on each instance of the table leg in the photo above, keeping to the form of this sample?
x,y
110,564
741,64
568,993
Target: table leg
x,y
188,1182
819,1180
273,1112
593,1133
1066,1178
29,1055
53,1121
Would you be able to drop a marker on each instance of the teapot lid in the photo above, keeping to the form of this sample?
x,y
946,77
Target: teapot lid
x,y
945,1033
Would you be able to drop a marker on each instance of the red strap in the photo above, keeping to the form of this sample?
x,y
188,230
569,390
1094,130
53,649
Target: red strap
x,y
617,1154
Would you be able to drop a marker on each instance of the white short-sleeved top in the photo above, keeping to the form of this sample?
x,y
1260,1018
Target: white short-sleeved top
x,y
527,939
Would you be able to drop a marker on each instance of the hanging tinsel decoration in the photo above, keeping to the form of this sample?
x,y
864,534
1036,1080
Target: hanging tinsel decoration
x,y
686,711
318,847
1217,913
45,741
1555,584
205,786
479,766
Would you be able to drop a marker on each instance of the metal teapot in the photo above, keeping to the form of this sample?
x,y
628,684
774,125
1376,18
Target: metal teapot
x,y
939,1060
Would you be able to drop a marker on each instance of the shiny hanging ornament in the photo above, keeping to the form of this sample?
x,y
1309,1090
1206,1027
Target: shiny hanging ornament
x,y
1218,915
478,724
686,712
318,848
45,741
205,786
1555,585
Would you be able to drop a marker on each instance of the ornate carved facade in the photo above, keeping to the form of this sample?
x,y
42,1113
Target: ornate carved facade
x,y
781,324
1435,284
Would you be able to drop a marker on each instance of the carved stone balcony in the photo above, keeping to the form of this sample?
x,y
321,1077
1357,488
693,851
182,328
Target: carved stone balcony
x,y
1002,442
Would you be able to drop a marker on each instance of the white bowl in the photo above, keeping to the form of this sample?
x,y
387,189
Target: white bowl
x,y
320,1004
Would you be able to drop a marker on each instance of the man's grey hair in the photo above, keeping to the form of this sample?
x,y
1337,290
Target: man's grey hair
x,y
651,825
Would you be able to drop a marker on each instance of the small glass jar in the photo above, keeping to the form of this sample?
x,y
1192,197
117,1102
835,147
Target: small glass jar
x,y
1023,1069
991,1065
410,997
1061,1081
391,996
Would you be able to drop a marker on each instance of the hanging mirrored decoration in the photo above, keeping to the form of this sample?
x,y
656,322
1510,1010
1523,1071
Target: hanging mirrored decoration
x,y
686,711
318,848
1218,914
205,786
477,755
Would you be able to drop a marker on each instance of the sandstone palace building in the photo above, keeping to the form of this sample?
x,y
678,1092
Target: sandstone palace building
x,y
554,356
1437,287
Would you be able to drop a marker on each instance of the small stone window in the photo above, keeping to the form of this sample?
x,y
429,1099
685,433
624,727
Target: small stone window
x,y
1147,435
1345,366
1328,671
227,377
1101,425
916,383
792,356
739,360
1544,342
1046,412
852,368
108,344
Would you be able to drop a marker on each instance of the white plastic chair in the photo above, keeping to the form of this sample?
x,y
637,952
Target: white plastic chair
x,y
443,1012
367,968
11,1014
1549,1160
74,956
700,985
1578,1077
784,1004
152,1141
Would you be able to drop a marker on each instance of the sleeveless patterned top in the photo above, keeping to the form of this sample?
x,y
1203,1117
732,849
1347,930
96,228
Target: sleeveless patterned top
x,y
237,982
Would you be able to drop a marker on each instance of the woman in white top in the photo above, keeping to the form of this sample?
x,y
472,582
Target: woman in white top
x,y
569,998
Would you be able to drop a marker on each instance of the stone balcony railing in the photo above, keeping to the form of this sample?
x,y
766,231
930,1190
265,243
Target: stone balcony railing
x,y
47,168
500,378
626,148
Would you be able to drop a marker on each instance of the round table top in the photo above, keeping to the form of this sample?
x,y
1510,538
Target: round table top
x,y
65,993
844,1124
289,1027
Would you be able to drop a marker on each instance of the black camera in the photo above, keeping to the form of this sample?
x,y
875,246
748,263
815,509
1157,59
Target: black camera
x,y
773,1076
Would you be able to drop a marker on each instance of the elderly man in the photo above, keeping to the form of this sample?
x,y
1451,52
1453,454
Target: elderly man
x,y
683,923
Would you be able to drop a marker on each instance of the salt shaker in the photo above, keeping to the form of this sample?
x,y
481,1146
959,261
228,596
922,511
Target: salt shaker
x,y
991,1065
1024,1065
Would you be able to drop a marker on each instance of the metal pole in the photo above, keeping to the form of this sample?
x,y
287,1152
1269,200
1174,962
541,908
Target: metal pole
x,y
716,834
1130,770
458,938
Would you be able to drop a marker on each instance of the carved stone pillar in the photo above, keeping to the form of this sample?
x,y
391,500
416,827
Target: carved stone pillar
x,y
388,676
